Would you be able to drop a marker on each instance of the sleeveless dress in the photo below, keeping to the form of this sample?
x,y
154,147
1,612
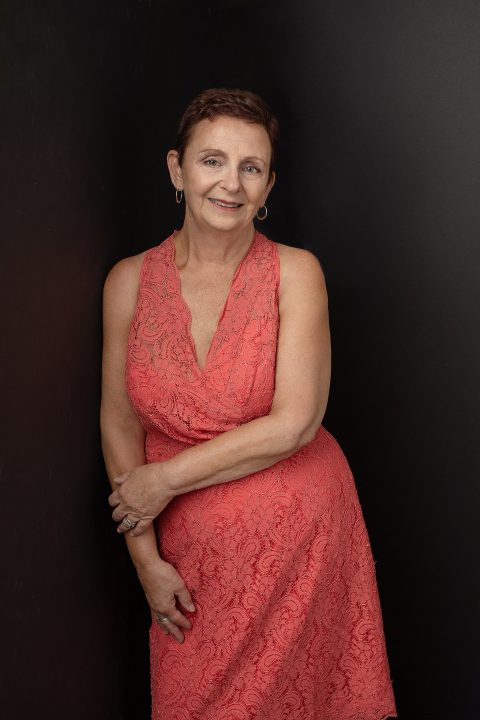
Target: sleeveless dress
x,y
288,623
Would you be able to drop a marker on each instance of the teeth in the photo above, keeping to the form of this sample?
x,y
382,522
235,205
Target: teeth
x,y
217,202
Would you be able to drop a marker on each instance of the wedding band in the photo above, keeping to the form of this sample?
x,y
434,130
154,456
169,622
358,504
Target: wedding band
x,y
163,618
128,523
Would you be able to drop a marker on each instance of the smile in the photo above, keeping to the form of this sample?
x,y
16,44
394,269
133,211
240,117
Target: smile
x,y
225,205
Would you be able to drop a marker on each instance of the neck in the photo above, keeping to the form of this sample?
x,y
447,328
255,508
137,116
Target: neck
x,y
205,245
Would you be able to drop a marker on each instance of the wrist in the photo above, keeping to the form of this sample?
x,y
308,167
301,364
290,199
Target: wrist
x,y
143,551
170,478
149,565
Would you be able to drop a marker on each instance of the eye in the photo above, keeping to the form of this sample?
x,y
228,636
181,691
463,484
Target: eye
x,y
211,162
251,169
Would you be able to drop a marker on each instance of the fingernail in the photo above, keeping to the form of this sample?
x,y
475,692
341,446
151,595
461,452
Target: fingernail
x,y
191,607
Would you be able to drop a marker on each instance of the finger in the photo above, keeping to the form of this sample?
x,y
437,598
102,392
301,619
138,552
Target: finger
x,y
186,599
156,620
119,513
172,629
122,528
178,618
140,527
113,499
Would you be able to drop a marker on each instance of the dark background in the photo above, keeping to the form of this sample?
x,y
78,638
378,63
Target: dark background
x,y
379,173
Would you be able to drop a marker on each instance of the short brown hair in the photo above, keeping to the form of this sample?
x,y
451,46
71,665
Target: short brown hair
x,y
215,102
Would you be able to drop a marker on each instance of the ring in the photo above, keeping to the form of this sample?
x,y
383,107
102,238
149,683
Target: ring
x,y
128,523
163,618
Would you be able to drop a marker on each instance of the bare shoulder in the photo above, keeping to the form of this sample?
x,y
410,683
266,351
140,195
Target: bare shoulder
x,y
300,268
121,286
124,273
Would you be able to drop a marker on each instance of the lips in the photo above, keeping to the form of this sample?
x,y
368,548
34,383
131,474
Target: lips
x,y
225,204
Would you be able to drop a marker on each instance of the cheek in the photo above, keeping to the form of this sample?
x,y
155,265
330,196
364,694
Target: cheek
x,y
255,192
199,183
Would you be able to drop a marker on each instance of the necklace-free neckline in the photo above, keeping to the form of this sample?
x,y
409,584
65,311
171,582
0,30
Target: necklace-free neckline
x,y
186,307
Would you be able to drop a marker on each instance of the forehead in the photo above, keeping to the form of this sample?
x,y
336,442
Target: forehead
x,y
230,135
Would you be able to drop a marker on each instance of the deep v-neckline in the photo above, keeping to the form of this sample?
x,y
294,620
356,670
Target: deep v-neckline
x,y
186,307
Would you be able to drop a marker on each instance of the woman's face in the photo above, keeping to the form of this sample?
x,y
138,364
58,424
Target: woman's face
x,y
224,172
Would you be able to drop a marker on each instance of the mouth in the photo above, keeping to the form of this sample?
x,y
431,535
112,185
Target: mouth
x,y
228,206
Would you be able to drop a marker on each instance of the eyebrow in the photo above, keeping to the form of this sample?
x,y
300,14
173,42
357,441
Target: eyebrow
x,y
216,151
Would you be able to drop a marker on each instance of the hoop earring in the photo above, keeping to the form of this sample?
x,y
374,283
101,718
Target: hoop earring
x,y
263,216
176,196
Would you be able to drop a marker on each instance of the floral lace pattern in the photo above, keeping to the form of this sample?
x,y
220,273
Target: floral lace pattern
x,y
288,623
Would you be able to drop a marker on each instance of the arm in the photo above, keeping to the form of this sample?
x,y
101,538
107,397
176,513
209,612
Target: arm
x,y
123,442
123,436
301,392
302,383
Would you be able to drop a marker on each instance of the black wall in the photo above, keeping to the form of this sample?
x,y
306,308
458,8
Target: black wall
x,y
378,175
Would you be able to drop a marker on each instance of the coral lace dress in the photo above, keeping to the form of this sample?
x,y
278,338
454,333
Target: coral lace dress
x,y
288,624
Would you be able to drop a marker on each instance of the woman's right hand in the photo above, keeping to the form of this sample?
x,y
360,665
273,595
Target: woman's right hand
x,y
161,584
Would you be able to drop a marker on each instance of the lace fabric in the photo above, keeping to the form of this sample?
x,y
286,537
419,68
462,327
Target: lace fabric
x,y
288,622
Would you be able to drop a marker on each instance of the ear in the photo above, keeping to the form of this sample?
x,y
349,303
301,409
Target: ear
x,y
270,184
175,169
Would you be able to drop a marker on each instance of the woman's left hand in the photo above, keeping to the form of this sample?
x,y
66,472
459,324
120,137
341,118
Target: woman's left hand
x,y
142,494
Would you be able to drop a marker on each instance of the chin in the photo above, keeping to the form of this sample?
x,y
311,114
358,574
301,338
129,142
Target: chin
x,y
226,223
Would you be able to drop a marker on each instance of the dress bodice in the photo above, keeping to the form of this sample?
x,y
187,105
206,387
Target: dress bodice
x,y
178,402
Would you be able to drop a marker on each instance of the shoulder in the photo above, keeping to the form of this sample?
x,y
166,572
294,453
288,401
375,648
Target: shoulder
x,y
120,290
298,263
300,272
124,277
124,273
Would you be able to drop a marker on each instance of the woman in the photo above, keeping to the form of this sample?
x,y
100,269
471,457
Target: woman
x,y
233,499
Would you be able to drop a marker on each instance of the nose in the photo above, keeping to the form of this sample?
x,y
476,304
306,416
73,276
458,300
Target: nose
x,y
231,180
